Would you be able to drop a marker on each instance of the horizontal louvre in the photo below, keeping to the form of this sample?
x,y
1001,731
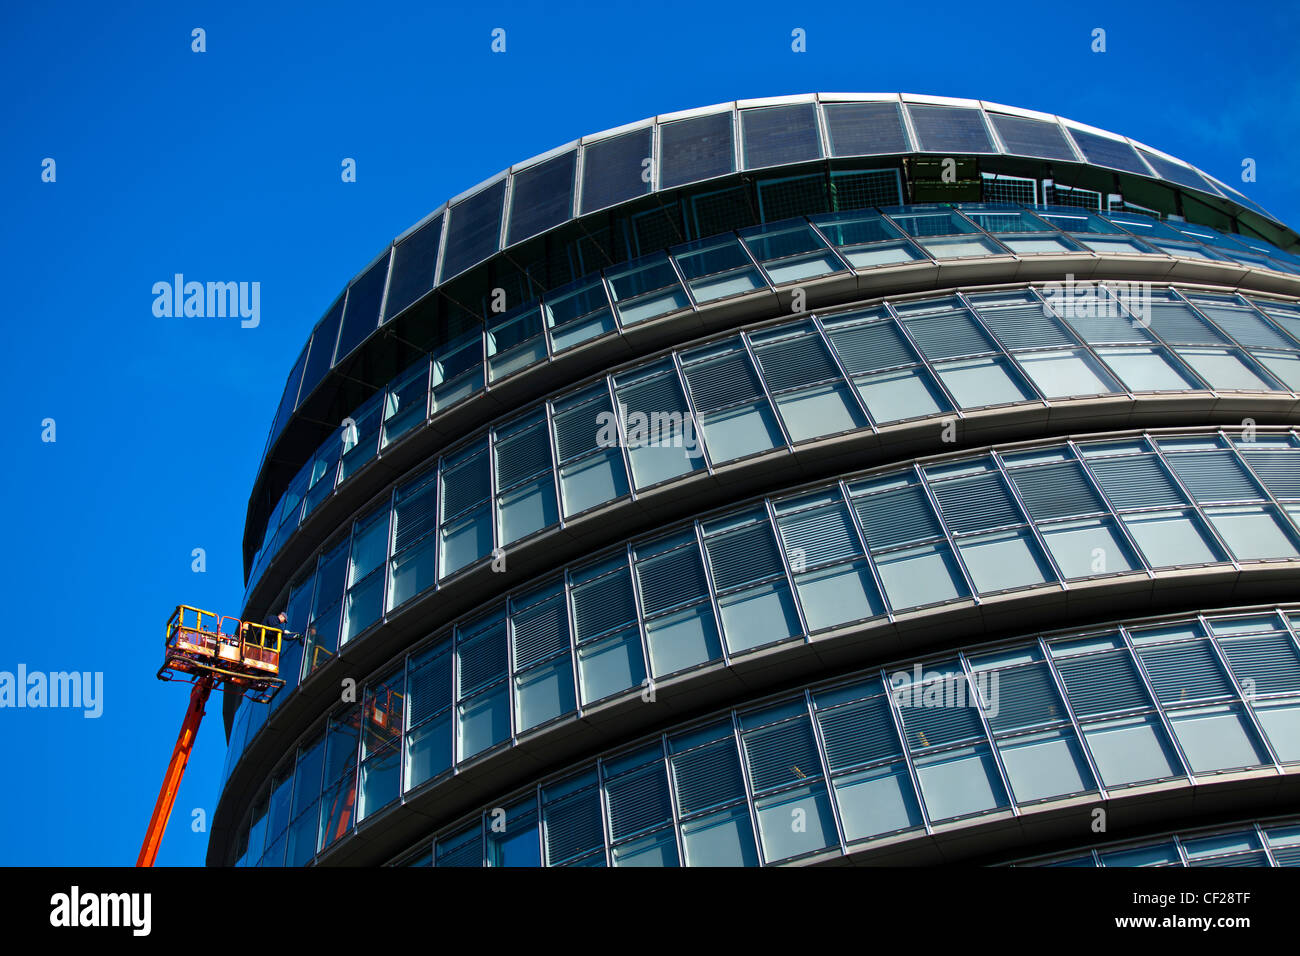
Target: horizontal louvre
x,y
708,777
1269,660
414,514
1136,482
949,334
869,348
743,556
540,631
1102,683
1025,697
603,604
781,754
1214,476
429,688
1247,328
638,801
482,660
1027,326
576,429
897,517
466,850
1056,490
670,579
797,361
723,381
523,455
1187,671
1279,469
1106,327
819,535
1177,323
662,403
950,719
573,827
981,501
464,485
859,733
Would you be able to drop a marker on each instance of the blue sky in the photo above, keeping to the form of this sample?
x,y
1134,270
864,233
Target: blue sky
x,y
225,166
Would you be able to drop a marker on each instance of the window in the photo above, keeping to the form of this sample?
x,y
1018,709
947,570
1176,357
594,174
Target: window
x,y
301,842
638,809
539,627
466,528
716,829
1253,533
338,803
646,289
588,443
680,628
526,500
659,430
571,822
1146,369
790,796
610,659
512,835
793,367
821,545
406,402
428,736
483,707
1088,547
754,599
1063,373
736,416
365,597
982,381
1171,538
577,313
1224,368
381,734
323,631
414,517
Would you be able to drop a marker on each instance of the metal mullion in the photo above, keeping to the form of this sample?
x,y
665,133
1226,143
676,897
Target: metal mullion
x,y
1127,642
1114,514
972,687
785,564
947,532
606,840
548,412
762,381
681,278
714,598
848,380
1241,694
676,817
1193,503
954,407
1181,850
1059,683
640,618
570,624
1263,841
697,421
904,751
622,435
1001,466
866,550
738,743
826,771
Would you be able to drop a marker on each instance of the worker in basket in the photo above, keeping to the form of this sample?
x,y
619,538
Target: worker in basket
x,y
281,620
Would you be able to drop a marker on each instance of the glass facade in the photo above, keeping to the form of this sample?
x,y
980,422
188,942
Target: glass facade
x,y
923,522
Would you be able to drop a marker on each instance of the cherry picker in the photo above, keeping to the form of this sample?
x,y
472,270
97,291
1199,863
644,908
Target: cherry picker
x,y
208,651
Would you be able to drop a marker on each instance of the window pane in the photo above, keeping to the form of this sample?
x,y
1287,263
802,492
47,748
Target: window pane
x,y
610,665
1045,765
1252,533
1170,538
484,721
592,481
1085,548
1145,370
741,431
795,822
880,800
725,838
544,693
758,616
1061,374
1130,751
1223,369
1215,738
1007,559
920,576
683,639
894,396
959,782
977,382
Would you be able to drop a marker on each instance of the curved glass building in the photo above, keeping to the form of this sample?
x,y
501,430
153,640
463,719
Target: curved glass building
x,y
838,478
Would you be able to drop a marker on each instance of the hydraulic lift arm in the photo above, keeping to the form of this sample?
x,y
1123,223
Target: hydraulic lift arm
x,y
162,810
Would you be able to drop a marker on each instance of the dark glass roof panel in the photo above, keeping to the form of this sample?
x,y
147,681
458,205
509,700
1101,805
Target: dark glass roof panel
x,y
1031,137
865,129
950,129
780,134
695,149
